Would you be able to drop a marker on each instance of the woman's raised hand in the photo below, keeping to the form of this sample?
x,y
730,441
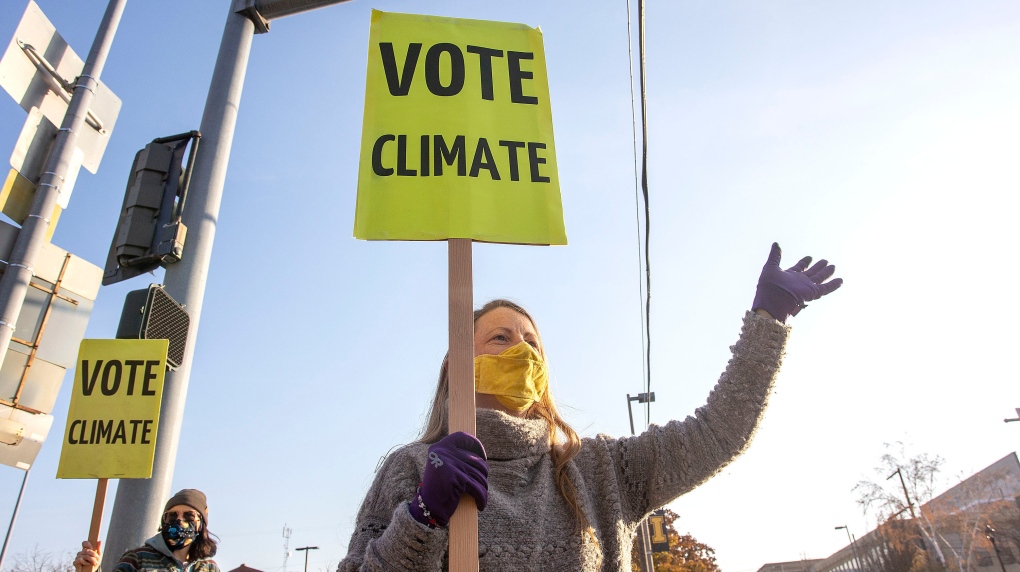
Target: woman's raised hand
x,y
783,293
455,466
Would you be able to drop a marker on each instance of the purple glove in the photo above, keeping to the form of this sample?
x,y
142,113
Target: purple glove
x,y
456,466
782,293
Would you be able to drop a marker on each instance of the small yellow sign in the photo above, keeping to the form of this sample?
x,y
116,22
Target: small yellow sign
x,y
657,529
16,198
457,140
114,412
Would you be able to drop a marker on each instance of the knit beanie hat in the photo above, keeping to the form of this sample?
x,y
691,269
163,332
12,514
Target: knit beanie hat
x,y
193,498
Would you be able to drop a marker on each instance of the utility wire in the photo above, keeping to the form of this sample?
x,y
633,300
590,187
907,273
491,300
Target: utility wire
x,y
646,339
644,192
637,207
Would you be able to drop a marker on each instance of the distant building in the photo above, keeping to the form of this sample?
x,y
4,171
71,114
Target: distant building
x,y
795,566
950,531
245,568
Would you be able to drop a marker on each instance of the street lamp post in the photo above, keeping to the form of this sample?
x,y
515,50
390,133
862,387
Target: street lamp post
x,y
990,535
137,506
306,549
853,547
647,562
640,398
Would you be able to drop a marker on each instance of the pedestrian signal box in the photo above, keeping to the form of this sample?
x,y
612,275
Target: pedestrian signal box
x,y
151,314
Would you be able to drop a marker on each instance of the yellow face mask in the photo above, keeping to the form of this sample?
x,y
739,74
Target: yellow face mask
x,y
517,377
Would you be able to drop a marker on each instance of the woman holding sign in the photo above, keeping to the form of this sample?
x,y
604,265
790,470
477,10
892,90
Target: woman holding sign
x,y
183,544
549,499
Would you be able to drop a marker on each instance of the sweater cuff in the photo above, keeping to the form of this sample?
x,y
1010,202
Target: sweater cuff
x,y
409,544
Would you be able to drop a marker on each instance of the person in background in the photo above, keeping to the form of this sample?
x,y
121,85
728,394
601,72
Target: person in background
x,y
183,543
550,500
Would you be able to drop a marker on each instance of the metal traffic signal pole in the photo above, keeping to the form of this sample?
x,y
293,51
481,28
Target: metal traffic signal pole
x,y
19,272
138,505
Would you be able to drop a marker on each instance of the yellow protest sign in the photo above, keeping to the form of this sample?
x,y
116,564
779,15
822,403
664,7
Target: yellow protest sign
x,y
457,140
114,412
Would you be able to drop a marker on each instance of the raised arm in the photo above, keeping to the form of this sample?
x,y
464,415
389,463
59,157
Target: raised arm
x,y
665,462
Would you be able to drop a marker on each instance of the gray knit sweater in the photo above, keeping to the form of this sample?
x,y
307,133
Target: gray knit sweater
x,y
527,525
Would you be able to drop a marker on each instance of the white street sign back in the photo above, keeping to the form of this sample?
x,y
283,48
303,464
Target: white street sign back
x,y
47,334
30,86
21,436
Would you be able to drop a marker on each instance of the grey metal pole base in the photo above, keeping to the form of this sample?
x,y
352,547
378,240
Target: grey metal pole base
x,y
139,502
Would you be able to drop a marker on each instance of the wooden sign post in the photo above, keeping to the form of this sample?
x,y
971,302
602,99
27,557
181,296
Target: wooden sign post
x,y
113,416
457,145
97,511
464,524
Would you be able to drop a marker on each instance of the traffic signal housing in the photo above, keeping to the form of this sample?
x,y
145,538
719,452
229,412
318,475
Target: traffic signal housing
x,y
149,232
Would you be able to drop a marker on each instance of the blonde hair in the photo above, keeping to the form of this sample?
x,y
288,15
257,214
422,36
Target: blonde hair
x,y
561,450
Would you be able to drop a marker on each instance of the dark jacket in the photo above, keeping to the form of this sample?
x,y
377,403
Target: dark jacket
x,y
155,556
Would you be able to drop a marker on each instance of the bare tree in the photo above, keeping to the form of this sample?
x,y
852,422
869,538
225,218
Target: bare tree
x,y
950,526
916,486
39,560
887,498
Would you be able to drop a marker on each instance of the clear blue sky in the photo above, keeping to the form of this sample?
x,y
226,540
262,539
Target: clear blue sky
x,y
879,135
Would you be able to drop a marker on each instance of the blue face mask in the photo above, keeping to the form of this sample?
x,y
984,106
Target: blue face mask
x,y
179,533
